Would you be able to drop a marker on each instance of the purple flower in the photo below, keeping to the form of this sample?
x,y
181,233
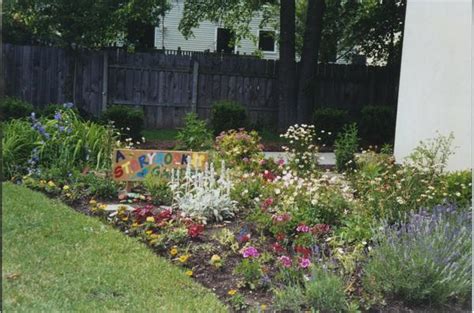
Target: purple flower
x,y
57,116
302,228
250,252
304,263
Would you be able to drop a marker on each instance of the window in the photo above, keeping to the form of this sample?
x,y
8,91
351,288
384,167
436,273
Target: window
x,y
266,40
224,37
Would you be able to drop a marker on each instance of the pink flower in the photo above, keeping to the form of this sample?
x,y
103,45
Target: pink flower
x,y
281,217
262,162
302,228
250,252
285,261
281,162
246,160
304,263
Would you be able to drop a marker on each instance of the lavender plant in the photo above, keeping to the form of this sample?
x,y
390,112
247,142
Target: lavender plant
x,y
425,260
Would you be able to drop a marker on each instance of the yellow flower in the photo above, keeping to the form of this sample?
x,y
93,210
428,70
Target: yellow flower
x,y
51,184
102,206
65,187
150,219
149,232
42,182
189,273
215,258
155,236
263,307
68,195
232,292
135,224
183,258
174,251
92,202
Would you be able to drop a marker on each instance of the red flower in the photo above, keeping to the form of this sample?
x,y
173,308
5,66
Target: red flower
x,y
142,213
243,238
278,248
321,229
280,236
164,215
194,230
267,203
306,252
267,175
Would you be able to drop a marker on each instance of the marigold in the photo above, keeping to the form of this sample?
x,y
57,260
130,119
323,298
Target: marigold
x,y
189,273
183,258
232,292
174,251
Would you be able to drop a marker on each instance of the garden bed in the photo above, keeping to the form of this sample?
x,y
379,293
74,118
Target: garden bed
x,y
280,235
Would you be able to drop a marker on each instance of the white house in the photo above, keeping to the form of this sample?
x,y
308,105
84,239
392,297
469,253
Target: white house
x,y
211,36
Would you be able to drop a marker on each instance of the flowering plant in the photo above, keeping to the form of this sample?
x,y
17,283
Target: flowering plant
x,y
301,148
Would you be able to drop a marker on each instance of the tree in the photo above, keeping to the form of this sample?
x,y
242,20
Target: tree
x,y
78,23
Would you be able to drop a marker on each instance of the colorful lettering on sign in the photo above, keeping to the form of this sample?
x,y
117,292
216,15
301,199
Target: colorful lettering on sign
x,y
134,165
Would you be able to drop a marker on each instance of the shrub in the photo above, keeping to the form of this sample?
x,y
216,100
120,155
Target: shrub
x,y
13,108
290,298
330,121
227,115
159,189
127,119
195,135
239,148
459,188
325,291
301,148
345,148
99,187
377,124
425,260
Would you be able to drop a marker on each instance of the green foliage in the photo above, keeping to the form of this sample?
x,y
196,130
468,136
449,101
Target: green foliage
x,y
426,260
345,148
158,187
239,148
18,141
459,187
377,124
12,108
127,119
251,272
194,136
227,115
325,291
290,298
98,187
84,23
330,121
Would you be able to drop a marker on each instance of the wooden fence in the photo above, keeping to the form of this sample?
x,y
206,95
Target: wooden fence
x,y
168,86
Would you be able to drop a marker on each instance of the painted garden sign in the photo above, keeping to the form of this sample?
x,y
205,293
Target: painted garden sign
x,y
134,165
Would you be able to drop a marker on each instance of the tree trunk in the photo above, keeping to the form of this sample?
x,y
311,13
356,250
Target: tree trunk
x,y
309,59
287,66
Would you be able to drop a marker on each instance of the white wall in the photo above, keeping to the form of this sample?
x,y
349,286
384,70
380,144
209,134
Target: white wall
x,y
435,78
204,36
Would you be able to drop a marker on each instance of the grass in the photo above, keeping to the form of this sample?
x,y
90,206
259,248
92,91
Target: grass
x,y
58,260
160,134
170,134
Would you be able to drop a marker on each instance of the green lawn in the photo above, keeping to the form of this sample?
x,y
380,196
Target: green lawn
x,y
58,260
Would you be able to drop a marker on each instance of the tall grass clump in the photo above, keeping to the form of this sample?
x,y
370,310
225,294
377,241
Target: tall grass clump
x,y
64,142
426,260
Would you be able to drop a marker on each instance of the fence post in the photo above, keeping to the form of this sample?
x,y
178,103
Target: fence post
x,y
195,86
105,81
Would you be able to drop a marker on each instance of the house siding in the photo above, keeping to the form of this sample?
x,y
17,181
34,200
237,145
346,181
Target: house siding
x,y
204,36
